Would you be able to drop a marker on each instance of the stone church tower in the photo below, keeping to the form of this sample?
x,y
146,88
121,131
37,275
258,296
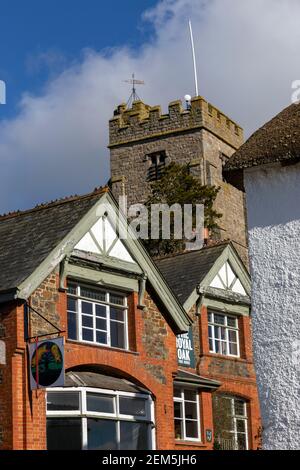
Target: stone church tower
x,y
142,141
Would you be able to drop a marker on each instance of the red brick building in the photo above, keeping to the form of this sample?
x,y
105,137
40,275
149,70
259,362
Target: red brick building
x,y
65,271
213,285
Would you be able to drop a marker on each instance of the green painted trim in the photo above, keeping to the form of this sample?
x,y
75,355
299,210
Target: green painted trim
x,y
102,278
136,249
107,261
229,254
226,307
107,204
226,295
142,290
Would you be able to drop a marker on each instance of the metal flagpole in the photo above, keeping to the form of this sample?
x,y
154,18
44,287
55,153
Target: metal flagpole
x,y
194,58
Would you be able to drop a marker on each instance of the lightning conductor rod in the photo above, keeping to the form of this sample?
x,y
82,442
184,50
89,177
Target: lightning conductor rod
x,y
194,58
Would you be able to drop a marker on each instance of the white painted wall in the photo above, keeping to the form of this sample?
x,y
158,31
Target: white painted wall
x,y
273,205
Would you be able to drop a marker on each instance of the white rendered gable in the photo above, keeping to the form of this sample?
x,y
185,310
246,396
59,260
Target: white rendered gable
x,y
102,239
228,280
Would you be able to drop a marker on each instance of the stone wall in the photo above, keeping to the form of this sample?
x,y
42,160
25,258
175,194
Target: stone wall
x,y
44,300
145,122
201,136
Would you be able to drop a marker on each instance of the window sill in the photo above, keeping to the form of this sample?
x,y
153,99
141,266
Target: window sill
x,y
190,443
99,346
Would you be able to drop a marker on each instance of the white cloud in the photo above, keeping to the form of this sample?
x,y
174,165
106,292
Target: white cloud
x,y
247,54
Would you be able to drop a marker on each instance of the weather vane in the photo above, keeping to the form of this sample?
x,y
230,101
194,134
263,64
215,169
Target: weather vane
x,y
134,96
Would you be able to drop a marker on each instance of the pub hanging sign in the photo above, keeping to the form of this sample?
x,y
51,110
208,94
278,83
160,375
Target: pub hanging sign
x,y
46,363
185,349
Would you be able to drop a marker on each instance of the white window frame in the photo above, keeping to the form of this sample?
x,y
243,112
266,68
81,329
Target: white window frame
x,y
182,401
227,328
116,416
236,418
105,303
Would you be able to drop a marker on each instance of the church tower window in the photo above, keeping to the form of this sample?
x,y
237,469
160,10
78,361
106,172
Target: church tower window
x,y
158,163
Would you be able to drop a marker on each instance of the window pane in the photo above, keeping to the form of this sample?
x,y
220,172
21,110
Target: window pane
x,y
222,333
211,345
191,429
177,392
132,406
232,336
101,337
116,314
177,410
178,429
102,434
223,348
231,321
101,311
87,335
87,320
220,319
190,395
116,299
240,425
92,293
100,324
217,347
64,434
72,325
133,436
117,334
233,349
87,307
190,410
72,304
241,442
100,403
72,289
239,407
210,317
66,401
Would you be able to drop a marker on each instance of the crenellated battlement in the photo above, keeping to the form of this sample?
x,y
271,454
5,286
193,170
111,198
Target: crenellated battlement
x,y
142,122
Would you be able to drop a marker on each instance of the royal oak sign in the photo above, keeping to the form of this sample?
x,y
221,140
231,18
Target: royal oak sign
x,y
185,349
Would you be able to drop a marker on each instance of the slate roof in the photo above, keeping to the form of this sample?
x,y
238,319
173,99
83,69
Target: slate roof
x,y
98,380
185,270
276,141
28,237
184,377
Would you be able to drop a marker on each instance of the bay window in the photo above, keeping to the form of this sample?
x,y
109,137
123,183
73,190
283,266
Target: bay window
x,y
186,414
87,418
223,334
97,316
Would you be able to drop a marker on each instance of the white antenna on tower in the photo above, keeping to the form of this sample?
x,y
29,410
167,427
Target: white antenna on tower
x,y
194,58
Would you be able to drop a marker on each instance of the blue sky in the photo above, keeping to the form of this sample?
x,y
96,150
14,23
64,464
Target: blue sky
x,y
64,63
62,29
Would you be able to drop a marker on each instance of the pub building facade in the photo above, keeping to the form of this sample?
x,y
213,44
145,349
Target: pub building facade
x,y
103,348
